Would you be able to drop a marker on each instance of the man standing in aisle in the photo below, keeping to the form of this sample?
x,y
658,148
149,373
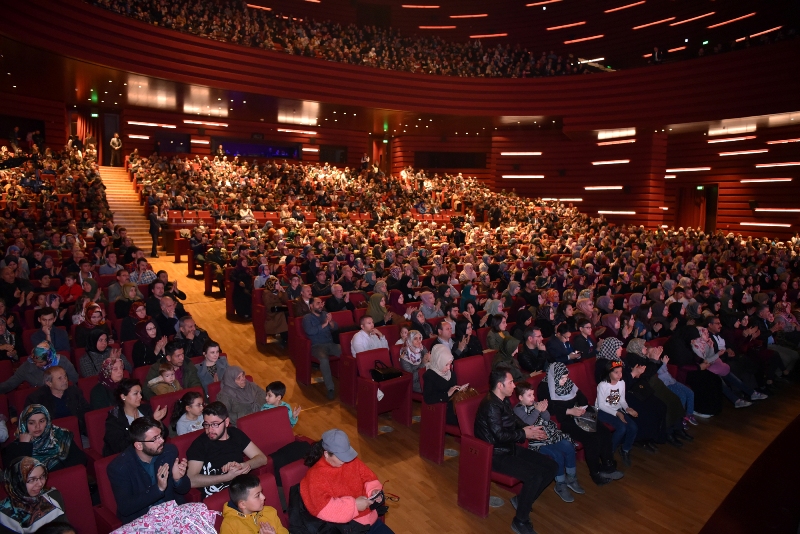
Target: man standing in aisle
x,y
116,151
155,229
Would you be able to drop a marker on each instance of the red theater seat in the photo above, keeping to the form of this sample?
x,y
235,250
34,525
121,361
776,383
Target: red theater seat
x,y
73,484
105,514
472,370
396,394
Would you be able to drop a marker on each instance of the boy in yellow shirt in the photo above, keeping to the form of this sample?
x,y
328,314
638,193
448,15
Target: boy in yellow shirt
x,y
245,513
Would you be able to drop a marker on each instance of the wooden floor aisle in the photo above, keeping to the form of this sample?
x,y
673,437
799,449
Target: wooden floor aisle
x,y
671,491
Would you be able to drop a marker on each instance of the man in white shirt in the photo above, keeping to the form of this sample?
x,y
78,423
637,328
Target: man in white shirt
x,y
367,338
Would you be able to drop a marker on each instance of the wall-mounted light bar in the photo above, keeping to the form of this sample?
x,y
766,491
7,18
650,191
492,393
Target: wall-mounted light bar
x,y
551,28
776,28
664,226
520,153
570,200
665,208
731,20
437,27
542,3
605,212
785,164
732,139
653,23
222,124
310,150
305,132
259,7
692,19
790,210
154,124
620,8
595,60
135,136
475,16
676,49
648,55
611,162
584,39
488,35
414,6
620,142
732,130
613,134
669,176
778,225
689,169
764,180
742,152
784,141
200,142
536,176
602,187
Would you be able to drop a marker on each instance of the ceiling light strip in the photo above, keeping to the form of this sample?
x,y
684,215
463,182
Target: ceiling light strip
x,y
602,187
784,141
620,8
692,19
606,212
259,7
776,28
669,176
515,176
222,124
676,49
764,180
475,16
584,39
611,162
784,164
791,210
653,23
620,142
731,139
778,225
731,20
437,27
310,150
520,153
136,136
488,35
306,132
200,142
542,3
155,124
742,152
689,169
413,6
551,28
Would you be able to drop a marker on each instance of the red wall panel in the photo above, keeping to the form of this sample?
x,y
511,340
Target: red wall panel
x,y
54,115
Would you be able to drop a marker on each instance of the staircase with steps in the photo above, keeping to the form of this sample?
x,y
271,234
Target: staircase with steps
x,y
124,203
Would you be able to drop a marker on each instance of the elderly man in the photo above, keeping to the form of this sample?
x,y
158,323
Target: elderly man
x,y
319,326
430,308
59,397
168,319
302,306
193,337
368,338
339,300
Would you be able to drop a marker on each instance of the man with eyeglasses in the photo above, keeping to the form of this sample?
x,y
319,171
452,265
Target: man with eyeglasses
x,y
215,457
148,472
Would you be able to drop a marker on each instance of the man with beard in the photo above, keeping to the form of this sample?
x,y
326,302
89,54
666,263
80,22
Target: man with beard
x,y
148,472
215,457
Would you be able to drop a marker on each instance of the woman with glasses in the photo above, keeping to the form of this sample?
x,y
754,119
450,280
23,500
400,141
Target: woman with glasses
x,y
129,408
29,504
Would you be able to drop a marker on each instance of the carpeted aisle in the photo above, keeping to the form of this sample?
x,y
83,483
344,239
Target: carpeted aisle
x,y
767,498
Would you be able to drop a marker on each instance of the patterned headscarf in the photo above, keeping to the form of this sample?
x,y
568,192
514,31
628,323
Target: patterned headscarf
x,y
53,445
409,352
608,349
636,346
45,354
135,306
271,284
20,506
104,377
558,392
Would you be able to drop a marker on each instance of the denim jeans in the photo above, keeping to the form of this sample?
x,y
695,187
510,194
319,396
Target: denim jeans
x,y
624,433
562,452
685,394
379,527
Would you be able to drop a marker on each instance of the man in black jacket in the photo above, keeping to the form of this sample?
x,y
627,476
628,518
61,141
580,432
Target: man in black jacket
x,y
583,341
497,424
532,354
60,398
559,347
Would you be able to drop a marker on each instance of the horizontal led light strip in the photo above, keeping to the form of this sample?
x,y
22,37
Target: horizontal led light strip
x,y
676,49
542,3
595,60
287,130
584,39
520,153
310,150
602,187
732,20
689,169
259,7
551,28
206,123
412,6
603,212
731,139
792,210
779,225
653,23
200,142
742,152
570,200
669,176
776,28
764,180
437,27
786,164
133,136
537,176
611,162
137,123
691,19
623,7
620,142
488,35
476,16
783,141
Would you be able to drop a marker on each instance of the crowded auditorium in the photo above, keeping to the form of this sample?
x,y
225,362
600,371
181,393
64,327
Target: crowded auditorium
x,y
486,265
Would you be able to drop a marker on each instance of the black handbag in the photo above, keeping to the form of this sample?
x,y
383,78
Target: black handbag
x,y
383,372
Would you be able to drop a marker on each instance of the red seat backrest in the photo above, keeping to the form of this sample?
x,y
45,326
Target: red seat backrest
x,y
169,399
183,442
428,343
394,352
472,370
70,423
392,333
344,340
269,430
358,314
96,428
16,398
140,373
343,318
73,485
6,370
366,360
466,411
104,485
482,336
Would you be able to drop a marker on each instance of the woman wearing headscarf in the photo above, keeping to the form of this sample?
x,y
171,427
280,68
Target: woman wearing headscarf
x,y
37,437
439,381
505,357
677,315
605,305
565,402
611,323
465,341
97,350
29,506
149,347
111,373
659,323
242,282
545,321
395,275
524,321
635,300
9,348
706,385
469,293
262,275
497,331
93,320
468,274
376,308
92,292
380,287
122,306
419,324
414,355
470,313
396,301
239,395
275,301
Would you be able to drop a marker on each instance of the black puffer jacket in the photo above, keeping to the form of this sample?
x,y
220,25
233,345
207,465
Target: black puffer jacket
x,y
497,424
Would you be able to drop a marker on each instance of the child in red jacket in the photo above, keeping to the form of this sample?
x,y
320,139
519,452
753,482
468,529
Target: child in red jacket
x,y
70,291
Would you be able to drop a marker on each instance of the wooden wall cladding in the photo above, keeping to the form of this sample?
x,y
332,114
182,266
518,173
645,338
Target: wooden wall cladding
x,y
404,147
711,88
54,115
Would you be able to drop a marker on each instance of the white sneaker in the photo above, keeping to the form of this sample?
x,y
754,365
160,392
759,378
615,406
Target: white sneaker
x,y
702,415
741,403
757,395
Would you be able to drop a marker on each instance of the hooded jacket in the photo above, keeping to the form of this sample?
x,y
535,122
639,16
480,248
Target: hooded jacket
x,y
235,522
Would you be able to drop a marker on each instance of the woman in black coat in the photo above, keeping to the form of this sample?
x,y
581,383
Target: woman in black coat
x,y
473,345
129,408
439,381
